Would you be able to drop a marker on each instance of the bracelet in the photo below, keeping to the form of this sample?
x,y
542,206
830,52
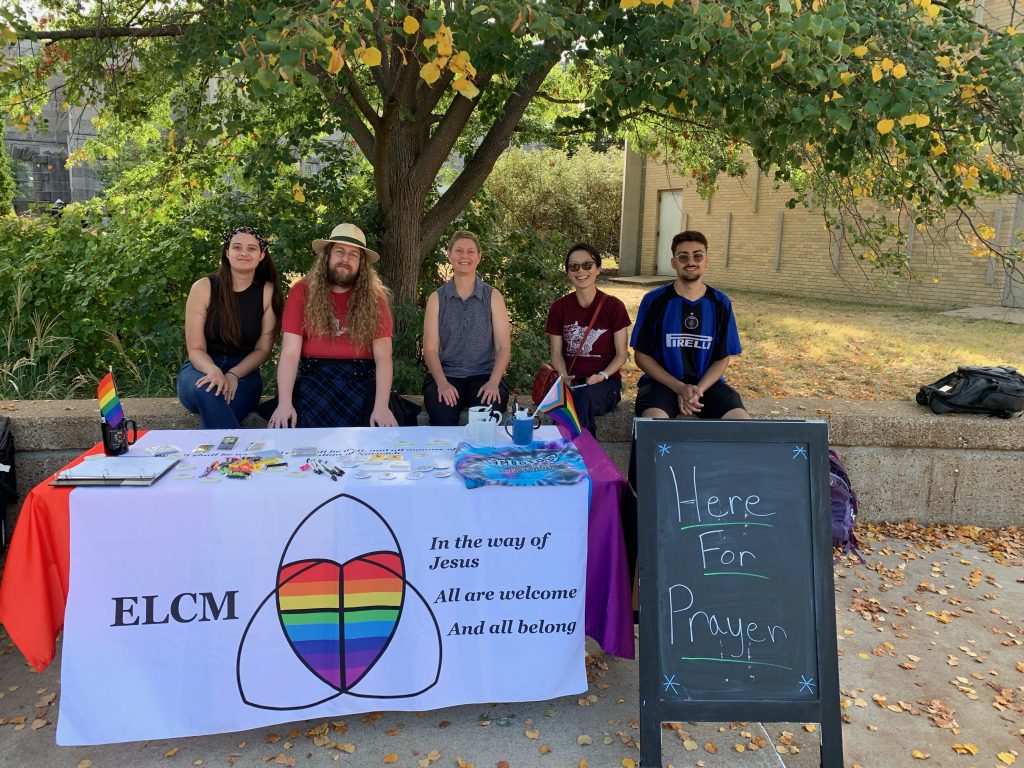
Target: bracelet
x,y
602,373
232,373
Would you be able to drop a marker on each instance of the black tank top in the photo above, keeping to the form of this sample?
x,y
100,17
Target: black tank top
x,y
250,317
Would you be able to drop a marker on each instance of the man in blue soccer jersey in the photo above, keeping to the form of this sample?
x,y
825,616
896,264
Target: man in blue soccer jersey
x,y
684,337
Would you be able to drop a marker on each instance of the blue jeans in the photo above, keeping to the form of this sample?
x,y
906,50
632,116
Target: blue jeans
x,y
214,412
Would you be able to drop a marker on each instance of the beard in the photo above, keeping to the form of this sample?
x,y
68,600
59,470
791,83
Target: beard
x,y
690,278
341,277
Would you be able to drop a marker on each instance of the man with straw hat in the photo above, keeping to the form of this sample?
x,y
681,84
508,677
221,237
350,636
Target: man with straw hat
x,y
335,368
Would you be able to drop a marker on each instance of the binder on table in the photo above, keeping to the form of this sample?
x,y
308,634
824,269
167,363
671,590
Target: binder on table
x,y
116,470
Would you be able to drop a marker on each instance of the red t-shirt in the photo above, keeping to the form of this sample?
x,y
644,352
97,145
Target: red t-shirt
x,y
568,319
338,347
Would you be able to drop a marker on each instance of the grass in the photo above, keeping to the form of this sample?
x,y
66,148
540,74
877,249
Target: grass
x,y
800,347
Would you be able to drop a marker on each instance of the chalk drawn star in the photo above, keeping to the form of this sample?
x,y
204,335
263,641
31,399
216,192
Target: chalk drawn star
x,y
806,684
664,448
670,683
799,450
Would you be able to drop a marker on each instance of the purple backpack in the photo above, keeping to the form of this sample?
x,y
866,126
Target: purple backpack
x,y
844,509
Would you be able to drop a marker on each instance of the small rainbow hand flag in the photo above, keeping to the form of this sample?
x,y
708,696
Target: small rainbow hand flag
x,y
110,403
557,404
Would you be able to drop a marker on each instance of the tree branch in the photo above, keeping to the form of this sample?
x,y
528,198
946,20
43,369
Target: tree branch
x,y
476,170
365,108
341,102
160,30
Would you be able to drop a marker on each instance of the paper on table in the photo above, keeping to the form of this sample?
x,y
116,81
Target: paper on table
x,y
116,470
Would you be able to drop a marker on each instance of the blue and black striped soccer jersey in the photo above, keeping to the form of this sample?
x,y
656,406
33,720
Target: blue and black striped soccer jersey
x,y
684,336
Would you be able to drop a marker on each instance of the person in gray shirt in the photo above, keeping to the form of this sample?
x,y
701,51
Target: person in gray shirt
x,y
466,339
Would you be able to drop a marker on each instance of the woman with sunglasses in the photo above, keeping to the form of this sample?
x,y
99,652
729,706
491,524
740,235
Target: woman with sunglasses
x,y
589,333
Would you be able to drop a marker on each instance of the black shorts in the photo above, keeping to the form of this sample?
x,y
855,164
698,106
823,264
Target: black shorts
x,y
717,401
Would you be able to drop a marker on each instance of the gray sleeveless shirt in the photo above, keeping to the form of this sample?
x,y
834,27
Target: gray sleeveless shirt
x,y
467,338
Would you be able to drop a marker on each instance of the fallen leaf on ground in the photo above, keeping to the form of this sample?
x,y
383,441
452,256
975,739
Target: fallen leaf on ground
x,y
171,752
919,755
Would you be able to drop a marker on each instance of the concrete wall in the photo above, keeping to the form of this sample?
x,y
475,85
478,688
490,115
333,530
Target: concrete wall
x,y
905,462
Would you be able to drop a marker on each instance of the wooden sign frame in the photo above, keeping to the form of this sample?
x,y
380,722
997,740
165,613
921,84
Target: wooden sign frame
x,y
816,697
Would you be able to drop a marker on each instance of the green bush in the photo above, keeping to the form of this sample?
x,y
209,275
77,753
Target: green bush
x,y
575,197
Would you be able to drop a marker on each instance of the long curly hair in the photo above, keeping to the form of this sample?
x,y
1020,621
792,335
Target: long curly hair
x,y
225,303
363,304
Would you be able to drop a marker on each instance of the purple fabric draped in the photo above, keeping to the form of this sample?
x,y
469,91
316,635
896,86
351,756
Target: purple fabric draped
x,y
609,605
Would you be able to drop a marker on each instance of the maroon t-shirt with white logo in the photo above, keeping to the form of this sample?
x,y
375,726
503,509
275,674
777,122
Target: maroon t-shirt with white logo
x,y
568,319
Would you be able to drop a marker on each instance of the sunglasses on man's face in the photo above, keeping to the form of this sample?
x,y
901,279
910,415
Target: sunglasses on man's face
x,y
585,266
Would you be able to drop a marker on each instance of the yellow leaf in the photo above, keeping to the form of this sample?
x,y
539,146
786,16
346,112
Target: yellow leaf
x,y
860,51
84,764
965,749
544,749
919,755
887,64
369,6
627,4
728,20
899,71
298,194
876,73
582,763
884,126
627,762
410,25
391,758
943,61
779,61
337,60
171,752
1011,31
430,72
846,77
467,88
923,121
933,11
371,56
1008,757
810,727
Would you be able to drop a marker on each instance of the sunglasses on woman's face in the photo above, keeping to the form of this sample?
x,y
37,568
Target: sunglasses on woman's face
x,y
585,266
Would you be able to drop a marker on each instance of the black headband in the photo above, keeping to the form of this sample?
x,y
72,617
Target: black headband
x,y
264,245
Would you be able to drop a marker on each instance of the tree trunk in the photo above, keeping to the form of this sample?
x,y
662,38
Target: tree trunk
x,y
400,257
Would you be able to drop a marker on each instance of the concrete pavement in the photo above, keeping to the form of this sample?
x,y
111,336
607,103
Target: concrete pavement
x,y
930,635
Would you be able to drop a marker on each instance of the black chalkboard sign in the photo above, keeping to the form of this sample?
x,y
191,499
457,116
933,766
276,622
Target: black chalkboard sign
x,y
737,607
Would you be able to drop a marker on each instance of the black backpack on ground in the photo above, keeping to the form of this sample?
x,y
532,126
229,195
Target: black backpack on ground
x,y
8,492
993,391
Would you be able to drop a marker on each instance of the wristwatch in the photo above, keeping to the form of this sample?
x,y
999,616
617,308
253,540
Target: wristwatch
x,y
602,373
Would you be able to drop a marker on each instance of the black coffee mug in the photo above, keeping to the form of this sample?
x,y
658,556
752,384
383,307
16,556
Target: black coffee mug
x,y
115,439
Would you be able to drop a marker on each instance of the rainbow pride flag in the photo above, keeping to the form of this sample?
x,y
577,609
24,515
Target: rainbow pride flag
x,y
110,403
557,404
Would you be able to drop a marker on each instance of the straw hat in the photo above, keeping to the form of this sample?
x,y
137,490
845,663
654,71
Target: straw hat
x,y
349,234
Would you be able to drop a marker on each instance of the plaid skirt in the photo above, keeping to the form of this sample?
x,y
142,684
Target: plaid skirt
x,y
335,393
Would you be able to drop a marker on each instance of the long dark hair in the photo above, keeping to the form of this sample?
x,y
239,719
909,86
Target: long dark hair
x,y
225,304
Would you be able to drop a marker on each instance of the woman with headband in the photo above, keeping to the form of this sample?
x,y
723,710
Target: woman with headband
x,y
231,322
